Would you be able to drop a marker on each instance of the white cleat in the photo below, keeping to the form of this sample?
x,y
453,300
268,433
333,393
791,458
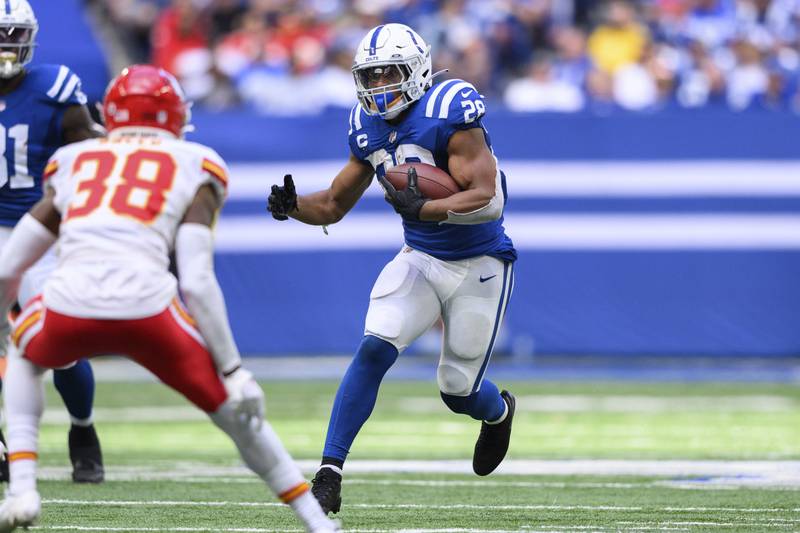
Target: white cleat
x,y
20,511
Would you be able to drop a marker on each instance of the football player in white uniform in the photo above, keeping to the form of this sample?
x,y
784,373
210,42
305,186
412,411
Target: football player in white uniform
x,y
117,207
42,107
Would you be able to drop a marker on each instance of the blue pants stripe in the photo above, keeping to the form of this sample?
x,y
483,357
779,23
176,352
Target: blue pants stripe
x,y
505,293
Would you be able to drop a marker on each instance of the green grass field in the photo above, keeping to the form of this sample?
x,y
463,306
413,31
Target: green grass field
x,y
170,470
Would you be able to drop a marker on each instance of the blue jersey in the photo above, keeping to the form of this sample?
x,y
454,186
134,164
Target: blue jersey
x,y
30,131
422,136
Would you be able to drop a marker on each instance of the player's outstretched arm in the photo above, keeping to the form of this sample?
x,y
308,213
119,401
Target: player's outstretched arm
x,y
328,206
77,125
474,168
32,237
194,255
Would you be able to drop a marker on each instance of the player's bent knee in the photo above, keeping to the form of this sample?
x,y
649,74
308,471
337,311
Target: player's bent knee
x,y
468,335
453,380
226,418
376,352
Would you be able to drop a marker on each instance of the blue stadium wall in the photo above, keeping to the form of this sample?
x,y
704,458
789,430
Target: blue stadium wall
x,y
673,233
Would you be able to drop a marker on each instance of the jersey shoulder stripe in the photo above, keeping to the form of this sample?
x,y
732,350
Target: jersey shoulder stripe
x,y
58,83
50,169
69,88
352,112
430,107
216,171
462,87
355,118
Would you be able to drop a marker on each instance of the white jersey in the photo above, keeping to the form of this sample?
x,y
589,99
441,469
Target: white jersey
x,y
121,201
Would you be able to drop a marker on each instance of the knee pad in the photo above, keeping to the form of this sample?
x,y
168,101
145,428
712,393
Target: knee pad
x,y
453,380
385,317
227,419
468,334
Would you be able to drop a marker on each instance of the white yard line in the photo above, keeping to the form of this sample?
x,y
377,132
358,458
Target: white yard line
x,y
545,529
568,467
457,506
549,403
718,475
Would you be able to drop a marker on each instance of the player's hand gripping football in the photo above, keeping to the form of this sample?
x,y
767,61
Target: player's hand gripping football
x,y
282,200
407,202
246,397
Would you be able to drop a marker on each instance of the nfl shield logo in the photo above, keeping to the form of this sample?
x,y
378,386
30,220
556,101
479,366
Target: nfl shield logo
x,y
392,137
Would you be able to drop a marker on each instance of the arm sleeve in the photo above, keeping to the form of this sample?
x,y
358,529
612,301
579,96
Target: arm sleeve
x,y
194,254
28,242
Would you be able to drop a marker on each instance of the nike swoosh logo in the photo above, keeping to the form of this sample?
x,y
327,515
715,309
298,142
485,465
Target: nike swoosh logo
x,y
487,279
466,93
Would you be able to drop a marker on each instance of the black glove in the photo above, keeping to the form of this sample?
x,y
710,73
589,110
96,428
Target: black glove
x,y
407,202
282,200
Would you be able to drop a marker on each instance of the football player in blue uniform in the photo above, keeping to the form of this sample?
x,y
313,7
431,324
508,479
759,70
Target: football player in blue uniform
x,y
457,263
42,108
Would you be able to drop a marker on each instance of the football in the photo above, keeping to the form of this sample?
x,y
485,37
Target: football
x,y
434,183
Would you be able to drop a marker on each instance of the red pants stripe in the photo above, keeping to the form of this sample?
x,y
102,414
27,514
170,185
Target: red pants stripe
x,y
158,343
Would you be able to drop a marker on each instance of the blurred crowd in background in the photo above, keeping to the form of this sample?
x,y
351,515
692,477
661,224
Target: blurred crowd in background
x,y
294,56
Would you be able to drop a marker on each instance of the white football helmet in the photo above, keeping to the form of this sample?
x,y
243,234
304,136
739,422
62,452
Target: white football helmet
x,y
392,69
18,28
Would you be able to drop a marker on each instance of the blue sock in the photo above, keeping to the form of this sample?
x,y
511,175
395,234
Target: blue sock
x,y
357,393
486,404
76,387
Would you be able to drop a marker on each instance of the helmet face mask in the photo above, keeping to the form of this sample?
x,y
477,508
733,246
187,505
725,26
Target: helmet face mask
x,y
18,28
392,70
382,87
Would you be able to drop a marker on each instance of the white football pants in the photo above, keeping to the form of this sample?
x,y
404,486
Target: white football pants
x,y
415,289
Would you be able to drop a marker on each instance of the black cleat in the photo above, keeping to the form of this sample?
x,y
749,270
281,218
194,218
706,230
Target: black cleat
x,y
493,441
327,489
85,455
3,459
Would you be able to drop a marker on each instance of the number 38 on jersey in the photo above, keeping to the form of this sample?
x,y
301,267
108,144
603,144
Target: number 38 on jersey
x,y
139,181
144,178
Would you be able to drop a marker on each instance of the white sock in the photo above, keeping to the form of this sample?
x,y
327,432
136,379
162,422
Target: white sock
x,y
81,422
264,453
23,476
334,468
24,400
308,510
502,417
